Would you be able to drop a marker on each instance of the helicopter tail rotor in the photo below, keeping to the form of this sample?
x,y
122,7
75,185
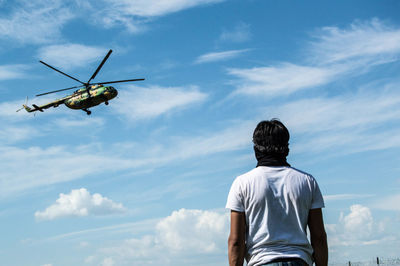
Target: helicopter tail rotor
x,y
25,106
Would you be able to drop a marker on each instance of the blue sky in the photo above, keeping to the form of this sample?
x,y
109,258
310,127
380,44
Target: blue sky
x,y
144,180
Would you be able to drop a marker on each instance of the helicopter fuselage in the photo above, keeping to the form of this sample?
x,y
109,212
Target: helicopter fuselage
x,y
93,96
87,96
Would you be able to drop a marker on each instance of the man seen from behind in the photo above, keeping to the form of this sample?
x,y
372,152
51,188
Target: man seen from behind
x,y
272,205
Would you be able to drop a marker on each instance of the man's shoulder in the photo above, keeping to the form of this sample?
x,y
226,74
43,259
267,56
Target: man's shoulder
x,y
253,172
299,172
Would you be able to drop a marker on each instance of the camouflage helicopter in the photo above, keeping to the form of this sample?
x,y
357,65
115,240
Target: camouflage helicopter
x,y
88,94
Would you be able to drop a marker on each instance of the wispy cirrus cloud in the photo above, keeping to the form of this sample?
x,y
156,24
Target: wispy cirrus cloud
x,y
50,166
79,202
388,203
370,40
35,22
71,55
219,56
154,8
335,54
140,103
349,123
13,72
346,197
135,15
58,164
283,79
240,33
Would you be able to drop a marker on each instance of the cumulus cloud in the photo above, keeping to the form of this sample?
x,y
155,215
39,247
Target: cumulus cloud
x,y
188,230
358,223
356,228
219,56
79,203
68,56
181,236
140,103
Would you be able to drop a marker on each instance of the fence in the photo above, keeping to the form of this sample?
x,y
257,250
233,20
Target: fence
x,y
372,262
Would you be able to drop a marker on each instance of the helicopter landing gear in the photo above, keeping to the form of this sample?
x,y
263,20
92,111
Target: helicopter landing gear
x,y
106,103
88,112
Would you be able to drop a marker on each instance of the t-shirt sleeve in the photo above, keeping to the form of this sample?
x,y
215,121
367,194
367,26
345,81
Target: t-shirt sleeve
x,y
317,199
235,198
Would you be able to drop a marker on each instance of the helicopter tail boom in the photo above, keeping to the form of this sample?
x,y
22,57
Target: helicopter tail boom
x,y
30,110
27,108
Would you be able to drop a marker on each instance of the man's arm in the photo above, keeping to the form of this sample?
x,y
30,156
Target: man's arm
x,y
318,237
236,240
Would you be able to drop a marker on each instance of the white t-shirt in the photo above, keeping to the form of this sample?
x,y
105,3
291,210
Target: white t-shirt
x,y
276,202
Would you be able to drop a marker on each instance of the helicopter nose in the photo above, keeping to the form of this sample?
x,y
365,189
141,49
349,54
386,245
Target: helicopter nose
x,y
111,92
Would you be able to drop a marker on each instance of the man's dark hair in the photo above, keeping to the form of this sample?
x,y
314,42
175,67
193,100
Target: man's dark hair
x,y
271,137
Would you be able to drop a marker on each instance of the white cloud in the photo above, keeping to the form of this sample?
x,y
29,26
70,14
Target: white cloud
x,y
13,134
233,137
347,123
346,197
219,56
153,8
13,72
135,15
68,56
390,203
93,122
9,109
360,232
335,54
143,103
358,223
371,39
357,228
57,164
241,33
207,230
279,80
360,228
35,22
108,262
79,203
182,236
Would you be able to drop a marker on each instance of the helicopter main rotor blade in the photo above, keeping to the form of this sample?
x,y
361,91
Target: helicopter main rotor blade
x,y
100,66
118,81
58,90
59,71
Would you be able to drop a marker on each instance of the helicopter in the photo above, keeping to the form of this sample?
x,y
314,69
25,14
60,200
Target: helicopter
x,y
88,95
